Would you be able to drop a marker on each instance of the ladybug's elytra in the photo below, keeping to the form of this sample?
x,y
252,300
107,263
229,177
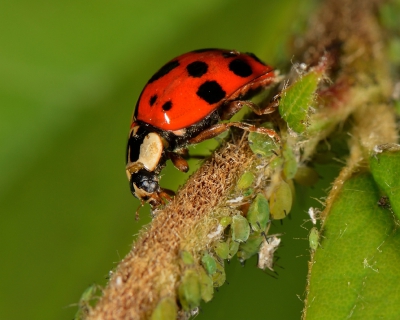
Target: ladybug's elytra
x,y
183,103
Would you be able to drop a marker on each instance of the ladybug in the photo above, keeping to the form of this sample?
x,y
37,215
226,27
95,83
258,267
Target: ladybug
x,y
183,103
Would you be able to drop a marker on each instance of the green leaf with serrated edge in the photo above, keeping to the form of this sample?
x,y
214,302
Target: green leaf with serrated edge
x,y
355,271
385,168
296,99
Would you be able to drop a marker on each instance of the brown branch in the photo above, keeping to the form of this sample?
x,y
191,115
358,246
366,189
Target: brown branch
x,y
151,270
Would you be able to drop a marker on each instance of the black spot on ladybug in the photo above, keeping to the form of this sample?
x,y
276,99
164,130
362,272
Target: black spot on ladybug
x,y
255,58
229,54
240,67
164,70
211,92
197,68
153,99
167,106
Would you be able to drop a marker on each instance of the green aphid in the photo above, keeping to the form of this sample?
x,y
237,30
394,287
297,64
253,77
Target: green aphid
x,y
258,214
222,250
166,309
297,99
187,258
240,228
233,249
245,181
261,144
225,221
313,238
189,291
280,202
290,163
250,247
206,285
248,192
219,276
84,305
276,163
209,264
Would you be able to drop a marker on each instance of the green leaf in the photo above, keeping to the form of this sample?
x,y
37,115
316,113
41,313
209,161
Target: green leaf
x,y
296,100
385,168
355,272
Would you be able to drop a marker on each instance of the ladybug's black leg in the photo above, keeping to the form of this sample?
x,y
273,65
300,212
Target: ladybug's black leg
x,y
234,106
179,163
219,128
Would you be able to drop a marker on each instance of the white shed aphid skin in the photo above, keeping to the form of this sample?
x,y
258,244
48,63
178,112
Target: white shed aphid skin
x,y
266,253
216,234
313,213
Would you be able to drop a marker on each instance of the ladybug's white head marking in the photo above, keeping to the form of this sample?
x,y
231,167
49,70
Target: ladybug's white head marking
x,y
150,151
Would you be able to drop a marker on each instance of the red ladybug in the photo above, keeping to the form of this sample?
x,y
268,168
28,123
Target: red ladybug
x,y
183,104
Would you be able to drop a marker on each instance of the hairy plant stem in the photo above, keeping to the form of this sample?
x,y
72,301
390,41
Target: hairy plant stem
x,y
151,271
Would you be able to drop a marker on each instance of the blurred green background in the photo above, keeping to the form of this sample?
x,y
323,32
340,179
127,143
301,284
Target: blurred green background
x,y
70,76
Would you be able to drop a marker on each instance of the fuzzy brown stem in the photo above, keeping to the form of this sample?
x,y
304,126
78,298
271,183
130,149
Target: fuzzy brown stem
x,y
151,270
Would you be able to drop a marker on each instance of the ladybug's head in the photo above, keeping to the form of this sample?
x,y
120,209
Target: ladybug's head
x,y
144,184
